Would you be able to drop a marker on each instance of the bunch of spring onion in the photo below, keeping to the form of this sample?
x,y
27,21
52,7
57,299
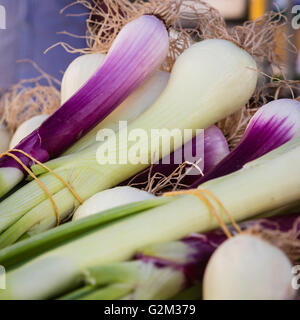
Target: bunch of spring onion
x,y
138,50
58,263
280,117
209,81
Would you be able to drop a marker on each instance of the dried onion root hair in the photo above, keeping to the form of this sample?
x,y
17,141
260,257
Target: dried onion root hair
x,y
157,183
187,21
287,241
28,98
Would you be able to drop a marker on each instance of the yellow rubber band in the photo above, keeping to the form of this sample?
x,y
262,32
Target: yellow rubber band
x,y
37,180
235,225
9,154
75,194
200,193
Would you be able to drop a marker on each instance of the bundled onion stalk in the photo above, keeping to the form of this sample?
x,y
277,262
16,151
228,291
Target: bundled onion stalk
x,y
199,85
138,50
209,81
245,193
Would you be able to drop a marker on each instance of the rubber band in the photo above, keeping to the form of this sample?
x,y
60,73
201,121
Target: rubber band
x,y
235,225
9,154
75,194
199,194
37,180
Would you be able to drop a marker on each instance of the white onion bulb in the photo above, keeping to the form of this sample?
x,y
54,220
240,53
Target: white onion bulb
x,y
246,267
109,199
26,128
78,73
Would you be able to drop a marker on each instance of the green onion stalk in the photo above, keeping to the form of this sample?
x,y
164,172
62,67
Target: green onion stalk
x,y
262,185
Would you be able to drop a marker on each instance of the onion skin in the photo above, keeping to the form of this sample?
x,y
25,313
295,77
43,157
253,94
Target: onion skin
x,y
139,49
215,149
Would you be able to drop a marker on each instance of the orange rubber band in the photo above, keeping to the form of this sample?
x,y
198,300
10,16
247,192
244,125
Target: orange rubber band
x,y
36,179
199,194
9,154
236,226
75,194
